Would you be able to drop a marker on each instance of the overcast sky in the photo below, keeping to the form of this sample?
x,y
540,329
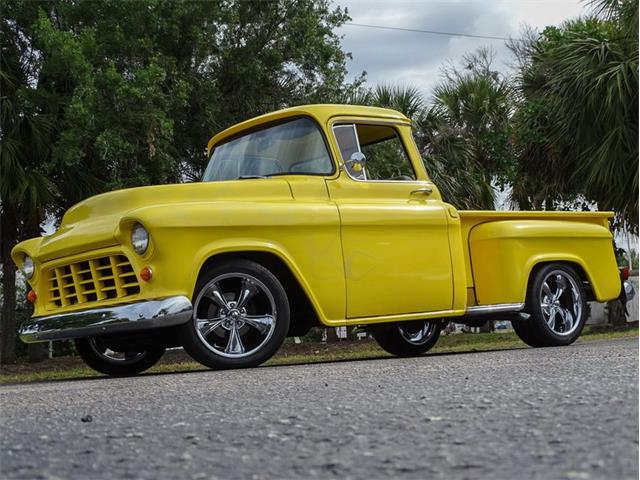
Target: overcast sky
x,y
416,58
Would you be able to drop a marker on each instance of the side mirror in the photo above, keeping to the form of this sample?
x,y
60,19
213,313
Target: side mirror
x,y
357,157
356,163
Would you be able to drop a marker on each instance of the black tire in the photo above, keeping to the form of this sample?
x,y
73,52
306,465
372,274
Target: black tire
x,y
250,345
548,326
95,354
396,338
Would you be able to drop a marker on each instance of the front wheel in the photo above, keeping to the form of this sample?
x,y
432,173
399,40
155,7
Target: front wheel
x,y
556,303
240,316
407,339
99,355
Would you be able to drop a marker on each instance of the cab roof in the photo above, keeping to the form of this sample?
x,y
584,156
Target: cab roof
x,y
320,112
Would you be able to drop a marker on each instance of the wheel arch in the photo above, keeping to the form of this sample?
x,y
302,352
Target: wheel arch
x,y
304,311
576,264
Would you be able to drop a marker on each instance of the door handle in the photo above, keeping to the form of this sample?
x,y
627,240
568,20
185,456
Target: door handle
x,y
423,191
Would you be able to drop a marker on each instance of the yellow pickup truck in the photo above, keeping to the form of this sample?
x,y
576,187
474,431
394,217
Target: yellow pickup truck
x,y
318,215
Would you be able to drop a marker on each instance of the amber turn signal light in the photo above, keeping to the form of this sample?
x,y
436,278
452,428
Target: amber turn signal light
x,y
146,273
31,296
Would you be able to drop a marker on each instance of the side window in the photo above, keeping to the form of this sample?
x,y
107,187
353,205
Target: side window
x,y
373,152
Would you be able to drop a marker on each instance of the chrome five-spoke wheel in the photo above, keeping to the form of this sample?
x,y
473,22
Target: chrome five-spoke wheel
x,y
418,332
120,357
561,302
556,307
235,315
240,316
406,339
104,357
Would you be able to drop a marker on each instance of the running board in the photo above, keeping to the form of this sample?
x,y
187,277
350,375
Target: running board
x,y
479,314
481,310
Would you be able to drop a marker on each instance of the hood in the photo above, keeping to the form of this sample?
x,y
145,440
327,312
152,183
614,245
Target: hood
x,y
93,223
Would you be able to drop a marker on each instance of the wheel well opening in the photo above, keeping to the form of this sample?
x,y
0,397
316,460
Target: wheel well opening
x,y
303,315
578,269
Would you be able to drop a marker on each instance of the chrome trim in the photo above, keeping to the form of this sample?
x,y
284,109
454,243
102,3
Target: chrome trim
x,y
138,316
496,308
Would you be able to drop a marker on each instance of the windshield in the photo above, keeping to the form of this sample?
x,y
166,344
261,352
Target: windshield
x,y
294,147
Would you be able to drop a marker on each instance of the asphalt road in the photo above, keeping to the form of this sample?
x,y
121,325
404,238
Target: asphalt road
x,y
532,413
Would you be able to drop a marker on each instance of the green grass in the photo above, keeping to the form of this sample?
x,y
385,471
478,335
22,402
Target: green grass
x,y
73,368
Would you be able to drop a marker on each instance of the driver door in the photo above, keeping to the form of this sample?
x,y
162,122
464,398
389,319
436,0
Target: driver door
x,y
394,231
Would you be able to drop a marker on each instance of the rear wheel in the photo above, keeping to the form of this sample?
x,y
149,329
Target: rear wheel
x,y
110,360
240,316
556,303
407,339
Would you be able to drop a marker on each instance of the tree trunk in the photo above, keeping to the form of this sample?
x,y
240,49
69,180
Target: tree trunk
x,y
488,327
615,313
8,236
332,335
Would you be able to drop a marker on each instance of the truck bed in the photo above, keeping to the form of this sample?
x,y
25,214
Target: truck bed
x,y
502,246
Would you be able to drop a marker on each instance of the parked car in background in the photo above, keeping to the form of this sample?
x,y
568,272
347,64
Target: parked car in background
x,y
313,215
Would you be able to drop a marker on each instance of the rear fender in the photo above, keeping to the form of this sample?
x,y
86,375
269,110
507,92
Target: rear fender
x,y
504,253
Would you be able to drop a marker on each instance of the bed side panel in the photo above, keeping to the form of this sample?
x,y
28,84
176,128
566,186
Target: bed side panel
x,y
503,254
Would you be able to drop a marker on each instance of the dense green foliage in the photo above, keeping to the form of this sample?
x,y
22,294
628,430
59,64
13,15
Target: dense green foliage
x,y
577,117
133,90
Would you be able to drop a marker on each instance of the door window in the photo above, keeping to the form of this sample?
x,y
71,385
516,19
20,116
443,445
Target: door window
x,y
373,152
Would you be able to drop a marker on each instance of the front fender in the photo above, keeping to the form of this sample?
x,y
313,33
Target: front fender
x,y
504,253
240,245
309,244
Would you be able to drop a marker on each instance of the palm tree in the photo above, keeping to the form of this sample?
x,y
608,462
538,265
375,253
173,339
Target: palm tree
x,y
475,102
24,189
405,99
578,115
449,160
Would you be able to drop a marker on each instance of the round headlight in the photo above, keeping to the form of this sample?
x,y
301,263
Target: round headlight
x,y
139,239
27,267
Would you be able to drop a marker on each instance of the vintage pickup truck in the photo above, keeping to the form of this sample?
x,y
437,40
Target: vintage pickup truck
x,y
313,215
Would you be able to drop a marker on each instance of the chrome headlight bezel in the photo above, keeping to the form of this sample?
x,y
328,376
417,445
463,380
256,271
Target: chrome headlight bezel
x,y
28,267
139,239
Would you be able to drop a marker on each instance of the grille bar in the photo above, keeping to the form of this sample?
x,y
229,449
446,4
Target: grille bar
x,y
116,278
91,281
58,284
100,295
76,281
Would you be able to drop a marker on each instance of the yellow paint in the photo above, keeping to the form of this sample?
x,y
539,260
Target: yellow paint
x,y
504,252
363,251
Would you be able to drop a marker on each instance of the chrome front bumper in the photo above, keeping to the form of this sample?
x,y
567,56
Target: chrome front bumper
x,y
133,317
